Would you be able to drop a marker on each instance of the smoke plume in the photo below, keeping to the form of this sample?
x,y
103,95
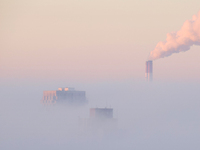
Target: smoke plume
x,y
179,41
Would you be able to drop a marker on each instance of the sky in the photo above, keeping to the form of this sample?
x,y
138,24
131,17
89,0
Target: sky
x,y
92,40
99,47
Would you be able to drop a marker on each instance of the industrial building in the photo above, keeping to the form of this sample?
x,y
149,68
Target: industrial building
x,y
101,113
64,96
149,70
101,118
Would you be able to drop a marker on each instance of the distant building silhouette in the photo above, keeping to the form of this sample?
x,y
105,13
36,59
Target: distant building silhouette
x,y
100,119
64,96
101,113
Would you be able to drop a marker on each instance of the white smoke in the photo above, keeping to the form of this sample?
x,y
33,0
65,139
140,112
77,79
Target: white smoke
x,y
179,41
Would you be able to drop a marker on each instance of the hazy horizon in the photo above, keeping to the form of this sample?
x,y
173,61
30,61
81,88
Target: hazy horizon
x,y
99,47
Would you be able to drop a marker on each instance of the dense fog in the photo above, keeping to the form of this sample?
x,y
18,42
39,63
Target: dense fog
x,y
155,115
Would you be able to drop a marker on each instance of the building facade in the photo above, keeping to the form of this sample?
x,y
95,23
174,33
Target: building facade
x,y
64,96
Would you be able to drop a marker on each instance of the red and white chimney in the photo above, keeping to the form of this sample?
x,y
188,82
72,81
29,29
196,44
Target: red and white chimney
x,y
149,70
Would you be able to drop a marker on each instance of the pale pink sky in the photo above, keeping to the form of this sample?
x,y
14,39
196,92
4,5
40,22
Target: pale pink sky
x,y
85,39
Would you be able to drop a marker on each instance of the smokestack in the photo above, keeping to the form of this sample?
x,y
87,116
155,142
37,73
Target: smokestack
x,y
149,70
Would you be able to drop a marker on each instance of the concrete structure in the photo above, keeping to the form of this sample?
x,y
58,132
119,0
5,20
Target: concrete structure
x,y
101,113
149,70
64,95
102,118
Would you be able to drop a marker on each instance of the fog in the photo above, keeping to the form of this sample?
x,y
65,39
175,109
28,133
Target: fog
x,y
150,115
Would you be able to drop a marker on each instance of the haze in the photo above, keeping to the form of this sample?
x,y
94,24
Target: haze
x,y
99,47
